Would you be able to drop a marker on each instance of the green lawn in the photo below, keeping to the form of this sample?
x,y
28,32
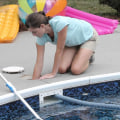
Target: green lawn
x,y
91,6
5,2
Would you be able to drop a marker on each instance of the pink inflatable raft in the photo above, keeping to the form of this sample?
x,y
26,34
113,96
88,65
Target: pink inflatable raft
x,y
101,24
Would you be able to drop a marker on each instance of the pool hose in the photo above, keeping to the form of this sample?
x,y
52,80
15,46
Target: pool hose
x,y
86,103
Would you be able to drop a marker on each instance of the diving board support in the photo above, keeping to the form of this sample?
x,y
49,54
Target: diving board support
x,y
47,97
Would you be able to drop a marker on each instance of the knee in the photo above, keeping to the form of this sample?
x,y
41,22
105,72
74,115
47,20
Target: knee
x,y
62,69
76,70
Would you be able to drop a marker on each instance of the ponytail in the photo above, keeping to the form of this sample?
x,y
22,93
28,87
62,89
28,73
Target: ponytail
x,y
43,13
34,20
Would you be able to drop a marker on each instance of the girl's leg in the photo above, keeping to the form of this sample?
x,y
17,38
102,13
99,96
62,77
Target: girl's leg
x,y
78,58
81,61
67,57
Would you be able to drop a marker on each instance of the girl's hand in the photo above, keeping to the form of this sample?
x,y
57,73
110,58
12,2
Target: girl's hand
x,y
47,76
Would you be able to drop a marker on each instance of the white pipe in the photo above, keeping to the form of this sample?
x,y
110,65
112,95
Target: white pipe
x,y
13,89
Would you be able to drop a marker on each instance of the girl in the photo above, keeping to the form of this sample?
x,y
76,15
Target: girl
x,y
75,43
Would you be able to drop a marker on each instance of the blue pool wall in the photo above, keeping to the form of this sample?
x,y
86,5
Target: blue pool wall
x,y
11,110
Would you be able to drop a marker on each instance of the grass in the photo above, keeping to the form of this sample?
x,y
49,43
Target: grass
x,y
91,6
5,2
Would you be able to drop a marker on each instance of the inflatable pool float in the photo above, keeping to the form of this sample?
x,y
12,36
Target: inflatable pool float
x,y
9,23
50,7
101,24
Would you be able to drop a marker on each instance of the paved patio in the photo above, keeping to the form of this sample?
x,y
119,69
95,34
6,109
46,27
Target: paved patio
x,y
22,52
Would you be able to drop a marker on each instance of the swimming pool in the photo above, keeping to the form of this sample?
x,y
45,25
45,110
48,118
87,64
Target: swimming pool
x,y
103,93
12,54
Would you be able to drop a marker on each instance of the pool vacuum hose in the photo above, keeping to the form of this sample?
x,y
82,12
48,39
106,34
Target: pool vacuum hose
x,y
85,103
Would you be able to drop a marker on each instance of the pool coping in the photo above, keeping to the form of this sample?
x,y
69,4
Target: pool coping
x,y
83,81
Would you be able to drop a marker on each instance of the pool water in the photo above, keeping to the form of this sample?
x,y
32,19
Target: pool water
x,y
102,93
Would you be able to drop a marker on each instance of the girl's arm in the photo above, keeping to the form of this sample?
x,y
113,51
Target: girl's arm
x,y
39,62
59,51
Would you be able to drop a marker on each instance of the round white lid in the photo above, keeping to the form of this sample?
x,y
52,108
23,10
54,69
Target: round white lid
x,y
13,69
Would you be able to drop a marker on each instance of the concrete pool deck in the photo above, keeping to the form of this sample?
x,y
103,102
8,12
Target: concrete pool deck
x,y
22,52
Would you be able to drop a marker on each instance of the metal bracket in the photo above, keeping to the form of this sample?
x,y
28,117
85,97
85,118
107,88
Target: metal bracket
x,y
47,97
